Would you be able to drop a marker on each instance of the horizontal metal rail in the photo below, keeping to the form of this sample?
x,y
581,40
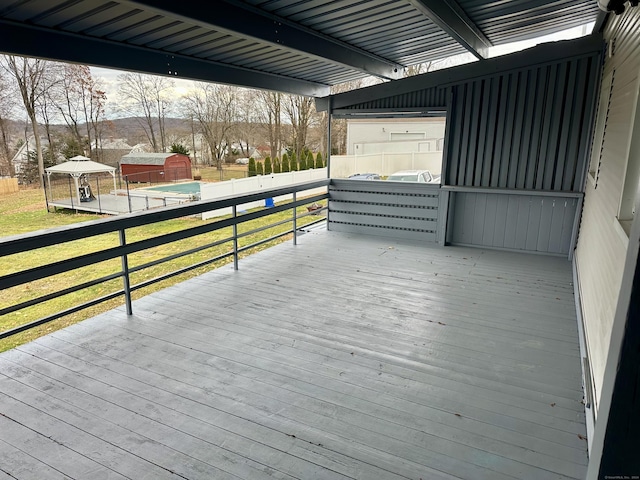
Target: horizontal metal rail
x,y
86,230
55,236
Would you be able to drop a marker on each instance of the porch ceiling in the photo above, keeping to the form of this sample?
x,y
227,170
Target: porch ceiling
x,y
300,46
343,357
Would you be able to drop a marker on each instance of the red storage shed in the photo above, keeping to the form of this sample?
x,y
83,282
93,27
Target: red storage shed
x,y
155,167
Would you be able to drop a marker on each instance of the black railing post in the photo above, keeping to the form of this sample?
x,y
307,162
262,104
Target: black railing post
x,y
235,237
295,221
125,275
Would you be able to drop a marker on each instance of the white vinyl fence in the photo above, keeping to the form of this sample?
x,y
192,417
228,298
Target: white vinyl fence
x,y
385,163
217,190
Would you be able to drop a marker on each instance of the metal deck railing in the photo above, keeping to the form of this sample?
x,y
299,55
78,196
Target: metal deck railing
x,y
121,225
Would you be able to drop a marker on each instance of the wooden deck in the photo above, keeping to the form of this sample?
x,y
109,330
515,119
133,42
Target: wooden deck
x,y
342,357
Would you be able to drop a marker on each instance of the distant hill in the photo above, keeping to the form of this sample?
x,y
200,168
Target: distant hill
x,y
130,128
133,128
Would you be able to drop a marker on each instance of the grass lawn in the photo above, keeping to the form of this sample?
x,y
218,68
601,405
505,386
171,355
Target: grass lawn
x,y
212,174
25,211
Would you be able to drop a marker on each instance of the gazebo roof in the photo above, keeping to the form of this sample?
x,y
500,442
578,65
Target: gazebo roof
x,y
76,166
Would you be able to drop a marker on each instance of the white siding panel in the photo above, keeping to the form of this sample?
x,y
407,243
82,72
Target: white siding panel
x,y
601,252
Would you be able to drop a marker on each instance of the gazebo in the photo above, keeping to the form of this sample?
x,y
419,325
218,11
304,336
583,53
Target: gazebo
x,y
77,167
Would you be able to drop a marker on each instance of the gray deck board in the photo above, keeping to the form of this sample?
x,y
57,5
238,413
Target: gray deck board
x,y
343,357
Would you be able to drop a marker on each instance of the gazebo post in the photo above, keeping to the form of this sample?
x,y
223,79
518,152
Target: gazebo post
x,y
75,179
50,191
115,190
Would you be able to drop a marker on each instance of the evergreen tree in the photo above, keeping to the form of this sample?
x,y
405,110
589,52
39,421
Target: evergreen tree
x,y
71,148
285,163
179,148
277,167
319,160
310,161
303,162
267,166
293,162
259,168
30,172
252,167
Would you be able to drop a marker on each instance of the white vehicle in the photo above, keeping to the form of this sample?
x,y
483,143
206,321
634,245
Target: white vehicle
x,y
421,176
242,161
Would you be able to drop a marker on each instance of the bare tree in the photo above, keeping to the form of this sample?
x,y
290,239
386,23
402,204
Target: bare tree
x,y
213,107
248,112
148,98
6,165
300,112
434,65
80,100
339,126
271,116
45,113
30,75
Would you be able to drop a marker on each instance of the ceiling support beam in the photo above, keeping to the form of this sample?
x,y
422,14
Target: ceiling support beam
x,y
601,21
31,41
448,15
251,22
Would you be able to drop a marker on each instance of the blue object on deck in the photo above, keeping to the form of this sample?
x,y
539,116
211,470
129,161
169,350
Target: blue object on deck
x,y
269,203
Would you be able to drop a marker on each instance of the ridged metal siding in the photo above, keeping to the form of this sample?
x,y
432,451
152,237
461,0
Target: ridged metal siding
x,y
602,248
431,97
542,224
392,29
526,129
504,22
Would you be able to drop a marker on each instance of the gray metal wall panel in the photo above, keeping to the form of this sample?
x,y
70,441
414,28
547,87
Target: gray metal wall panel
x,y
525,129
390,209
533,223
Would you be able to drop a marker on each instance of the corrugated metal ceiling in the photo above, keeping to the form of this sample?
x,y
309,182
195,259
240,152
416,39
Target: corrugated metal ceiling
x,y
514,20
302,46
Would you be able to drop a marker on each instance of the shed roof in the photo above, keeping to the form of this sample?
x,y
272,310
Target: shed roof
x,y
145,158
298,46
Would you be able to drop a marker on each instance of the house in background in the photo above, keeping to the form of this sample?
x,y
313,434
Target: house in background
x,y
407,135
155,167
387,145
111,150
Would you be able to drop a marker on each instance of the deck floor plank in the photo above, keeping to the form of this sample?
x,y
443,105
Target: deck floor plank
x,y
344,357
280,334
200,371
53,453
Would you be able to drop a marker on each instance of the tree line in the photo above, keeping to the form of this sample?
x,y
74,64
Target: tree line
x,y
288,163
229,121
